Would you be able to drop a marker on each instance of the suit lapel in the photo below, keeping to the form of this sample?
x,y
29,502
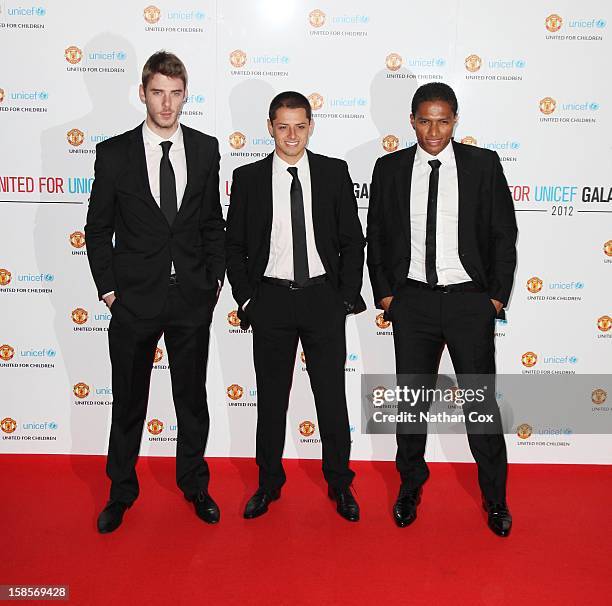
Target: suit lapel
x,y
403,185
316,194
463,185
264,195
138,160
191,158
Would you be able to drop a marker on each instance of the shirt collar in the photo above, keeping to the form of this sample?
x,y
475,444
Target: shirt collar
x,y
153,139
280,166
446,156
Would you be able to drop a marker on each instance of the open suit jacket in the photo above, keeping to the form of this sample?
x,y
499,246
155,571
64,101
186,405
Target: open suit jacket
x,y
337,230
137,267
487,224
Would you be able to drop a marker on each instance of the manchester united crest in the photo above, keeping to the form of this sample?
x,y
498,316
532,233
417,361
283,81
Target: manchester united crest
x,y
81,390
316,101
529,359
534,285
303,357
159,354
237,140
77,239
547,105
598,396
73,54
553,23
8,425
238,58
473,63
524,431
79,315
233,319
151,14
469,141
316,18
1,95
390,143
75,137
381,322
608,248
235,391
307,428
604,323
6,353
5,277
155,427
393,61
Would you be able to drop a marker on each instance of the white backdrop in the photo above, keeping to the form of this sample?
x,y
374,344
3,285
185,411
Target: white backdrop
x,y
531,78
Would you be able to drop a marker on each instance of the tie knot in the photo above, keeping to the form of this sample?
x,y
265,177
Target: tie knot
x,y
435,164
292,170
166,145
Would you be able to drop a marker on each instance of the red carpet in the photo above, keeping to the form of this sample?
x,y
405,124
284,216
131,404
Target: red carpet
x,y
302,552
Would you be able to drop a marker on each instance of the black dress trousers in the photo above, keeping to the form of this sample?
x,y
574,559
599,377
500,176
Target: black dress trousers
x,y
424,321
281,317
132,343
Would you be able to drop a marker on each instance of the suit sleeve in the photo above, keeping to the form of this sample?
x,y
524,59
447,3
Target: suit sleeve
x,y
352,242
376,237
212,225
100,226
236,243
502,237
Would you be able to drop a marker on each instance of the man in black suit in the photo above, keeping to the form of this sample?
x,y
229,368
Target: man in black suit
x,y
156,190
295,262
441,256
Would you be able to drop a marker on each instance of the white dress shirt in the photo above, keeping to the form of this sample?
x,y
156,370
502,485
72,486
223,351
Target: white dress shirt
x,y
154,153
448,265
280,261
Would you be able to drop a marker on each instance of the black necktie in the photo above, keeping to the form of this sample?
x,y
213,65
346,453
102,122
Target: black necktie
x,y
430,232
298,230
167,184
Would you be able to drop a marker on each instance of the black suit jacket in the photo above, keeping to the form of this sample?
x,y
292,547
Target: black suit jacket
x,y
337,229
487,224
137,266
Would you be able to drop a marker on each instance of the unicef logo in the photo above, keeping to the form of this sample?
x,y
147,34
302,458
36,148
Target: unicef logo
x,y
515,145
199,99
579,284
520,63
52,425
593,106
600,23
439,61
51,353
43,95
49,277
353,357
199,15
41,11
121,55
572,359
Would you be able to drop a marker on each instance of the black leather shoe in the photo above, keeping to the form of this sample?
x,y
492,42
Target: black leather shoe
x,y
499,518
405,508
346,505
206,509
111,517
257,505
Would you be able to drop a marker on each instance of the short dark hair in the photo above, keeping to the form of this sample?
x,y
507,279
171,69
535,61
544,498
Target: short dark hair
x,y
166,64
434,91
292,100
